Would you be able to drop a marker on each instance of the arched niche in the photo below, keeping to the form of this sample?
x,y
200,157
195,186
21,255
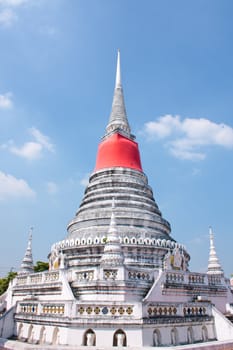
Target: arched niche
x,y
30,334
119,338
20,331
157,338
204,334
56,336
42,338
174,336
190,335
89,338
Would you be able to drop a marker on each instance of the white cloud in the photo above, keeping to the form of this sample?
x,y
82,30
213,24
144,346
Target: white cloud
x,y
13,3
7,17
6,100
8,13
13,187
186,149
52,188
43,140
164,127
187,138
33,149
30,150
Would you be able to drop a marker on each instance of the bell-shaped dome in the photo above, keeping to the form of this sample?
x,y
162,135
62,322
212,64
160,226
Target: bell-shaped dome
x,y
118,151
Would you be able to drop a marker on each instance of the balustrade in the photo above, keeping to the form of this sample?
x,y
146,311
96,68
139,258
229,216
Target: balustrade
x,y
178,277
53,309
51,276
35,308
169,310
85,275
21,280
134,275
115,310
29,308
196,279
37,278
193,309
110,274
212,279
174,277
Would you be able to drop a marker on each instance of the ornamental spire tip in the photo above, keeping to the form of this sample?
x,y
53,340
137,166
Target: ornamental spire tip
x,y
118,121
118,70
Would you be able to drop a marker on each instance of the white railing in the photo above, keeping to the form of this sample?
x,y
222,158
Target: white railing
x,y
38,278
182,309
35,308
188,278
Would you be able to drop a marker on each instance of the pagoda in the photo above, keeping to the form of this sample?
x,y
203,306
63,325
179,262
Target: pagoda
x,y
27,262
143,233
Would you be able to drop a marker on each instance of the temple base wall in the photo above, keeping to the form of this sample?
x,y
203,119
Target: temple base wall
x,y
111,335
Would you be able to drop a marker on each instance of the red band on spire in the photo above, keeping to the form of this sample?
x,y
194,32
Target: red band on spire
x,y
118,151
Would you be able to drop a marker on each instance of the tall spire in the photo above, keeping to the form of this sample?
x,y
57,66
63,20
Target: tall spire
x,y
118,148
27,262
214,267
118,121
112,251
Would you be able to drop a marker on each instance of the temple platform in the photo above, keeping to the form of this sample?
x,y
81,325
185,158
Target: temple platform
x,y
213,345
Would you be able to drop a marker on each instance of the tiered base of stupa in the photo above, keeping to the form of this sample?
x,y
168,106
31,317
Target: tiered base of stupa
x,y
119,306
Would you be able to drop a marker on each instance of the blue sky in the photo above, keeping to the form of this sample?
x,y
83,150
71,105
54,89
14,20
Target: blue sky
x,y
57,71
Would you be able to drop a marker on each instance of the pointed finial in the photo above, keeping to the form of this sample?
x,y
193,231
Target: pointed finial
x,y
118,121
118,70
30,237
211,237
210,230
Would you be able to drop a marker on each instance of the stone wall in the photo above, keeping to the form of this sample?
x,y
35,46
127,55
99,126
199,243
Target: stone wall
x,y
7,323
224,328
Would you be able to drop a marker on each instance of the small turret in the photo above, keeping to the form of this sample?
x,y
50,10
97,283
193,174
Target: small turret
x,y
112,251
26,266
214,267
